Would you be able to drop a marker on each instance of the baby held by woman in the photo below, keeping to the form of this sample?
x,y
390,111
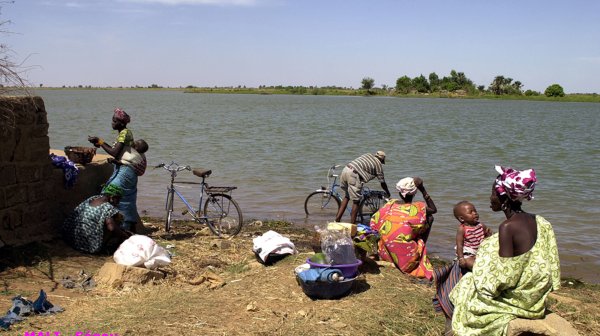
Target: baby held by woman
x,y
470,233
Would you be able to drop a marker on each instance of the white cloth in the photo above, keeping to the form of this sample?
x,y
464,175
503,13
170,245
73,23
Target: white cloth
x,y
140,250
272,242
131,157
406,186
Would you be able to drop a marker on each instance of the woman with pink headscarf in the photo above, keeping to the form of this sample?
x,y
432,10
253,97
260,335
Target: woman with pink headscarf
x,y
515,269
123,176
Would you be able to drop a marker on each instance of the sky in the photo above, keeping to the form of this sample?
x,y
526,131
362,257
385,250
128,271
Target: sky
x,y
207,43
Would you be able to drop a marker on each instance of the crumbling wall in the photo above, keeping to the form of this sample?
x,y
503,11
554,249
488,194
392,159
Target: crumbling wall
x,y
33,198
24,168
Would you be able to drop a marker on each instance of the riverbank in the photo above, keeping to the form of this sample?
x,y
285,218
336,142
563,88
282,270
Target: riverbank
x,y
340,91
252,299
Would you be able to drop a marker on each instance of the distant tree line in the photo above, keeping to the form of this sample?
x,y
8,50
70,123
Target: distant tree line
x,y
458,82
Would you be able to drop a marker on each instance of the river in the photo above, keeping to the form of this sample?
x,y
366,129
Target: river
x,y
276,149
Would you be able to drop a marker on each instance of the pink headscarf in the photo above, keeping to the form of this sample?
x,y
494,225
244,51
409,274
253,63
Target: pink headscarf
x,y
517,185
122,116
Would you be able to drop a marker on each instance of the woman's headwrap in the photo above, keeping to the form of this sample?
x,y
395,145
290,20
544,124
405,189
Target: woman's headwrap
x,y
121,116
406,186
517,185
112,190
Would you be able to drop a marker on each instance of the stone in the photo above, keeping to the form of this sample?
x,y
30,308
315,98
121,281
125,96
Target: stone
x,y
111,273
550,325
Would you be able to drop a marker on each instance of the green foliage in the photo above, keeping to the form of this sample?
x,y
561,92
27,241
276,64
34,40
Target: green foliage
x,y
403,85
420,84
505,86
367,83
554,90
530,93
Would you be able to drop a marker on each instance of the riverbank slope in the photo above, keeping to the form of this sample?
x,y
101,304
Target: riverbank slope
x,y
247,297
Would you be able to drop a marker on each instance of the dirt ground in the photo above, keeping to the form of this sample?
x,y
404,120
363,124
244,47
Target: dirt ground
x,y
243,297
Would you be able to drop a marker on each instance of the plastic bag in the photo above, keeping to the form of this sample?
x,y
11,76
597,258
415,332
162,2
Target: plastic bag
x,y
337,245
140,250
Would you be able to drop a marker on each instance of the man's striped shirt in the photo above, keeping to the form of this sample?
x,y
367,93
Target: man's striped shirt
x,y
368,167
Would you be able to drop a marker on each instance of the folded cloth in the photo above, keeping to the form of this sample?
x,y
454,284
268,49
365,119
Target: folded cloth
x,y
272,242
68,167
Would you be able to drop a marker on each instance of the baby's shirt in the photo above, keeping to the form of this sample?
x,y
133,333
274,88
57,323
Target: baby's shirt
x,y
473,237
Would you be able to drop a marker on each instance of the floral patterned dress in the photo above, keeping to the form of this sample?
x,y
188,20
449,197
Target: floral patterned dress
x,y
403,228
501,289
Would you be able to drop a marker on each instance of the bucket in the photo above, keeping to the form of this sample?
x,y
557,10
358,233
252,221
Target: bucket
x,y
348,270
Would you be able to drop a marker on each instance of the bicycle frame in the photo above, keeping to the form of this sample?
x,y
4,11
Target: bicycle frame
x,y
171,190
195,213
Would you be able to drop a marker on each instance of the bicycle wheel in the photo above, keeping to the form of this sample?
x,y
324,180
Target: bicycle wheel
x,y
169,208
321,203
368,206
223,215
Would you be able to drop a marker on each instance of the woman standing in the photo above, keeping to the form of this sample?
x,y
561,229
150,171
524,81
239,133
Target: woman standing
x,y
404,226
123,176
515,269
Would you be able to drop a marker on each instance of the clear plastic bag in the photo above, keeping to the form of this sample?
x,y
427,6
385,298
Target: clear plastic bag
x,y
337,245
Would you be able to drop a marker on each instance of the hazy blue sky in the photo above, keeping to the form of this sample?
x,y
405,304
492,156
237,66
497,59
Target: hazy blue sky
x,y
304,42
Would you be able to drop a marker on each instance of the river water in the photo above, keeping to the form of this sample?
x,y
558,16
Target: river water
x,y
276,149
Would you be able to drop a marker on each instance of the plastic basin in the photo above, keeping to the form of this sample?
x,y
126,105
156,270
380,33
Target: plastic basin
x,y
348,270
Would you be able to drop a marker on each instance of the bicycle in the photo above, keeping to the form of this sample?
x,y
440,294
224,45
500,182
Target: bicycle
x,y
326,201
220,213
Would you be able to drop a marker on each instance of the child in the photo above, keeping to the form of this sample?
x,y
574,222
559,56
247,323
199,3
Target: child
x,y
134,157
470,233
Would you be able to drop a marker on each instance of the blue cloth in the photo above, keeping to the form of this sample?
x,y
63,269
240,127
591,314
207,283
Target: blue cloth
x,y
126,178
69,169
319,274
22,307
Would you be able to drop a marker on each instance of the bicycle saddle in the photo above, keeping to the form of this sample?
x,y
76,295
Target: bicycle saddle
x,y
201,172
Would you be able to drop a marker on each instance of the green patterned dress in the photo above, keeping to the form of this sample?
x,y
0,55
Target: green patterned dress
x,y
501,289
83,229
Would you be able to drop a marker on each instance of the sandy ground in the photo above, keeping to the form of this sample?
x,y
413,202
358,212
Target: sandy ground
x,y
241,297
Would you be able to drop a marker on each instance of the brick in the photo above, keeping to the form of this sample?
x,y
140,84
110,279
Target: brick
x,y
37,192
39,149
29,173
41,119
2,199
8,175
25,115
35,213
10,219
15,194
40,130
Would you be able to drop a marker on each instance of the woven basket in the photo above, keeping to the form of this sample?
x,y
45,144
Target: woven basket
x,y
81,155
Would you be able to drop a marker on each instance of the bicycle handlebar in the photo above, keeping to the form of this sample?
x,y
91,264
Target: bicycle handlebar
x,y
173,167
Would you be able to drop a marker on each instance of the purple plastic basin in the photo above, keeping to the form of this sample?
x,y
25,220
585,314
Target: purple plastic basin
x,y
348,270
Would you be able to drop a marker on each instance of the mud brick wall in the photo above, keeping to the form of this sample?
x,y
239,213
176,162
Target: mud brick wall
x,y
24,169
33,199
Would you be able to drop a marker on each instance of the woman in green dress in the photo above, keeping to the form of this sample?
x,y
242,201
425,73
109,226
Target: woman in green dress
x,y
515,269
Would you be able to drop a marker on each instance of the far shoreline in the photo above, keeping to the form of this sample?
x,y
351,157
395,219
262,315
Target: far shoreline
x,y
316,91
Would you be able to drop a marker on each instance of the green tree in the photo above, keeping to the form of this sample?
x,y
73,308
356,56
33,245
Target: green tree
x,y
554,90
434,82
420,84
367,83
403,85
